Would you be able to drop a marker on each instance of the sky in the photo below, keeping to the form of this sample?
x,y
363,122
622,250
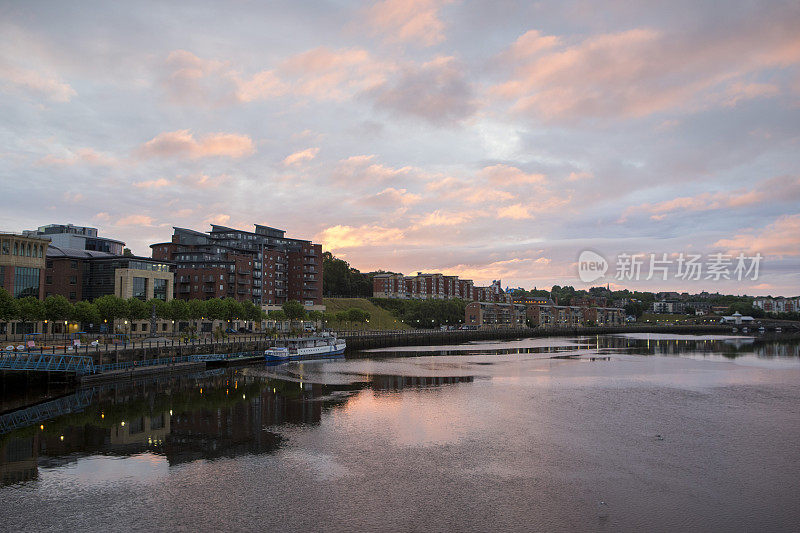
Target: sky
x,y
490,140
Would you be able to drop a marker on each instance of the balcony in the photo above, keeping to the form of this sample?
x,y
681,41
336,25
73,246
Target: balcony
x,y
208,290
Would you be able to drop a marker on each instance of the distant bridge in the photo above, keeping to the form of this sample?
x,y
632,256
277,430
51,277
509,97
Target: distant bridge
x,y
35,414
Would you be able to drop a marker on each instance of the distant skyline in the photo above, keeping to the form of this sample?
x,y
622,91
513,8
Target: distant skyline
x,y
491,140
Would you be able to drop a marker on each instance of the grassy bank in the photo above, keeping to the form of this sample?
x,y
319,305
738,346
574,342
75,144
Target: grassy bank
x,y
380,319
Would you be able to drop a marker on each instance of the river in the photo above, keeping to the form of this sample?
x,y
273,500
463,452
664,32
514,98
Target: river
x,y
611,433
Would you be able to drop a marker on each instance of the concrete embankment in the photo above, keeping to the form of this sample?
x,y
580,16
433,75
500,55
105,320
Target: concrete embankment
x,y
429,338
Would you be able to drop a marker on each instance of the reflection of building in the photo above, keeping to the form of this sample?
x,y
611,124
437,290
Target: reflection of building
x,y
495,314
141,429
19,460
409,382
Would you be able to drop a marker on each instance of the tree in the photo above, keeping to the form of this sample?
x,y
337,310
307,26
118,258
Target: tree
x,y
316,316
294,310
232,309
9,308
57,308
177,309
196,310
136,309
277,316
162,309
85,313
216,309
126,252
354,314
110,308
31,309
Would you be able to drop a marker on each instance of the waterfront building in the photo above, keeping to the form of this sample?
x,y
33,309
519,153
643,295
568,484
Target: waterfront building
x,y
572,315
495,314
435,286
86,275
263,266
22,261
779,304
68,236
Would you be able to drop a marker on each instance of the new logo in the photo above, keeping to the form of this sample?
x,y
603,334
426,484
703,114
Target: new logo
x,y
591,266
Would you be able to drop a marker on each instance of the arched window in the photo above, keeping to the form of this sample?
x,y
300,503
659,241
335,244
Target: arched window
x,y
16,248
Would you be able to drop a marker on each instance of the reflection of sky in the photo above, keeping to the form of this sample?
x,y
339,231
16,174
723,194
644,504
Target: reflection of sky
x,y
98,470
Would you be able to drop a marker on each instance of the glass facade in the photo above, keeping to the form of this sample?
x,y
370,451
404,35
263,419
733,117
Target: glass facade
x,y
160,289
140,288
143,265
26,282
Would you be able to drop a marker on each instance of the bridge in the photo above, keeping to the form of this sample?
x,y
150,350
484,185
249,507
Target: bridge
x,y
39,362
35,414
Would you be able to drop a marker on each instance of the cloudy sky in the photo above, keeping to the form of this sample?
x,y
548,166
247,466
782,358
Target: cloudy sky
x,y
484,139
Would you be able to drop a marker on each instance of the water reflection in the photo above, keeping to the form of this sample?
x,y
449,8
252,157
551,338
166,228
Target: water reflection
x,y
206,416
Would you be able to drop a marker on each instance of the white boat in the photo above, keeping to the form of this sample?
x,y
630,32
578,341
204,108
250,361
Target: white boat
x,y
294,348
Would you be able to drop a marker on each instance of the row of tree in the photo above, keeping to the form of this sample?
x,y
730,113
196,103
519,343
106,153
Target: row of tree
x,y
109,308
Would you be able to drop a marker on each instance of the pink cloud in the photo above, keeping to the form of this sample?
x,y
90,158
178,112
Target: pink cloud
x,y
391,197
643,71
515,211
408,21
343,237
135,220
182,143
81,156
782,188
300,157
781,238
508,175
33,82
152,184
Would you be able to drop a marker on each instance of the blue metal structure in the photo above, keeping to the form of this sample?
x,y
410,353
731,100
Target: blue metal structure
x,y
38,413
38,362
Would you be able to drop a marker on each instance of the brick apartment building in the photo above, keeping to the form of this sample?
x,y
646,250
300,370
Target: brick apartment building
x,y
495,314
573,315
263,266
777,305
435,286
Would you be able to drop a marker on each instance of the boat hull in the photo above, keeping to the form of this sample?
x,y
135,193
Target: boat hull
x,y
335,351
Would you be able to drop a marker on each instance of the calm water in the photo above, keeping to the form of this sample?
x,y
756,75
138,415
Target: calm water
x,y
632,433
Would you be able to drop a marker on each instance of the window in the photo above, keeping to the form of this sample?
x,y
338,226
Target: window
x,y
48,280
160,289
73,264
16,248
140,288
73,280
26,282
72,296
5,248
49,264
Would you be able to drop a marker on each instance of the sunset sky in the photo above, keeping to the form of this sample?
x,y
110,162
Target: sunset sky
x,y
484,139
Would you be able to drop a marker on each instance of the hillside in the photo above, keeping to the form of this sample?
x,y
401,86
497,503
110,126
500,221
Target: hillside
x,y
380,319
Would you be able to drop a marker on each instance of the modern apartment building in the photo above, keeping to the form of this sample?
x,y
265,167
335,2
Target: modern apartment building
x,y
22,261
263,266
68,236
435,286
86,275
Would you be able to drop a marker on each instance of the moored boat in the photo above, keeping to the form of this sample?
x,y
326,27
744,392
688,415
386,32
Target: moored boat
x,y
298,348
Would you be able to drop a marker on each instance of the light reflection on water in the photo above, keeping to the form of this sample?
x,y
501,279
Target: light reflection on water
x,y
521,435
